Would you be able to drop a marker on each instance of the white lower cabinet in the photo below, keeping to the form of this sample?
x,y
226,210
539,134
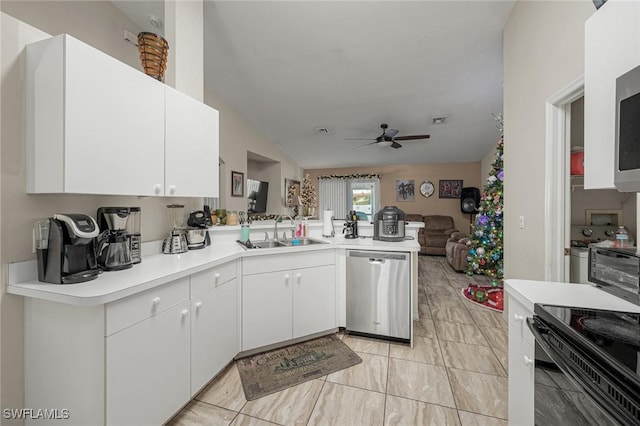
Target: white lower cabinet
x,y
147,369
266,309
136,360
283,304
314,300
214,327
521,365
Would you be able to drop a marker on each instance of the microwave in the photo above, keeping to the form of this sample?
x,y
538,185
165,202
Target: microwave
x,y
616,271
627,152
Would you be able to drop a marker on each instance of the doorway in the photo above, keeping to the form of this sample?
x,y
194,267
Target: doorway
x,y
558,181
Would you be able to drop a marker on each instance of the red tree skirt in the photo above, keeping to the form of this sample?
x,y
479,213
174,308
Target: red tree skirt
x,y
487,297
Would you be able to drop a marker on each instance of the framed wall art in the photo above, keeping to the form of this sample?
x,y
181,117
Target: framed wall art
x,y
237,184
292,189
405,190
450,189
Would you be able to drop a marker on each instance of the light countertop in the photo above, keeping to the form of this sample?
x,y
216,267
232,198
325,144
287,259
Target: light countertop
x,y
529,292
158,269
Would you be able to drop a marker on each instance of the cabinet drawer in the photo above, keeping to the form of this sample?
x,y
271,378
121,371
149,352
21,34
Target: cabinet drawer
x,y
128,311
284,261
213,277
518,315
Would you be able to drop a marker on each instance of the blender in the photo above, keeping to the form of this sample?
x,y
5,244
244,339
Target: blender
x,y
133,233
176,242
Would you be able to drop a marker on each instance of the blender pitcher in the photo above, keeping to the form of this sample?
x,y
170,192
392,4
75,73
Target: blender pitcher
x,y
176,242
176,216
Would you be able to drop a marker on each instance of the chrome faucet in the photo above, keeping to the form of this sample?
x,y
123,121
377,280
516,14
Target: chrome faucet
x,y
275,228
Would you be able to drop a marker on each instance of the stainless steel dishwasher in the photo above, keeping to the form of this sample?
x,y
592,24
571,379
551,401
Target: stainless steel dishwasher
x,y
379,294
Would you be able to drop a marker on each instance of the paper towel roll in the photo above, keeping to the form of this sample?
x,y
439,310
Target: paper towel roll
x,y
327,224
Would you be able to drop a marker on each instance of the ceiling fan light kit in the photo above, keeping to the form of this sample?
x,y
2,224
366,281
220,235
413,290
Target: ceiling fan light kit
x,y
388,138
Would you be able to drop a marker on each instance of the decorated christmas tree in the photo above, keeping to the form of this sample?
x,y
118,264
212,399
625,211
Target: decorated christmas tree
x,y
308,196
486,241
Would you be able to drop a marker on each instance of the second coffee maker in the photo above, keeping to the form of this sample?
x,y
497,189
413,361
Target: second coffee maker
x,y
114,252
351,225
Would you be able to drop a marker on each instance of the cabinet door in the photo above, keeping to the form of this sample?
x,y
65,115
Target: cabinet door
x,y
191,147
521,380
314,300
521,364
266,309
214,332
114,125
148,369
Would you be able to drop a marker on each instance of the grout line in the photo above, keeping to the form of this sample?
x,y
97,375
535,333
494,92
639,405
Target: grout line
x,y
324,382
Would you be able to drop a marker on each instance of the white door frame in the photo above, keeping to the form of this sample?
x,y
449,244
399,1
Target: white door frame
x,y
557,179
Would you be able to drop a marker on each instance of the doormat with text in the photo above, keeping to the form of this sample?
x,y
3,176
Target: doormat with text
x,y
269,372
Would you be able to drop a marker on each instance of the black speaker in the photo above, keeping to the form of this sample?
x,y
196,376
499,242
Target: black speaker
x,y
470,200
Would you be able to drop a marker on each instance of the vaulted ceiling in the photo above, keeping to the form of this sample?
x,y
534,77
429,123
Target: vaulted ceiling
x,y
310,74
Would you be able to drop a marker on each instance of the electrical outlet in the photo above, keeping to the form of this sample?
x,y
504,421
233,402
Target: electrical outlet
x,y
521,222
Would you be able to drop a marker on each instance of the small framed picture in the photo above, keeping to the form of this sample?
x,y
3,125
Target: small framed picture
x,y
450,189
405,190
237,184
292,189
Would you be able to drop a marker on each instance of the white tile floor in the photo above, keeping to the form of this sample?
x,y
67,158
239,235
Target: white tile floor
x,y
456,374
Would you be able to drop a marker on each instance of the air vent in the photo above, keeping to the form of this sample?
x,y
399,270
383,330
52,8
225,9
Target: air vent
x,y
322,130
439,120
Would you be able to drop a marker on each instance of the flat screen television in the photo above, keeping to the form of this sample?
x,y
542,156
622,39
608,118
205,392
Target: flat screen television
x,y
257,198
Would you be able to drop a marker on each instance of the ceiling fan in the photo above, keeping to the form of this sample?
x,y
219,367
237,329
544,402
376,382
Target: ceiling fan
x,y
389,138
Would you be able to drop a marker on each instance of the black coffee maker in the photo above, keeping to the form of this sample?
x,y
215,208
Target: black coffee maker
x,y
351,225
114,250
66,249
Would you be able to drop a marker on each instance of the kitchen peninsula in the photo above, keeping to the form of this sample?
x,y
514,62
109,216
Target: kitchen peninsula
x,y
135,346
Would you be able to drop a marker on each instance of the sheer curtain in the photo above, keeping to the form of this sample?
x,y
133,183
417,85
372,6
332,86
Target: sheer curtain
x,y
332,195
337,193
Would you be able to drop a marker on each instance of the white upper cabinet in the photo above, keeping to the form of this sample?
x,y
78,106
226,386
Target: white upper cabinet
x,y
98,126
191,147
612,47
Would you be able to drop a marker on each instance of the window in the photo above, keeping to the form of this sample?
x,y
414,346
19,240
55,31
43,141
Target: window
x,y
341,195
363,196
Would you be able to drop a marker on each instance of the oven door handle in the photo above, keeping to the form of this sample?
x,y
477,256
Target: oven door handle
x,y
558,359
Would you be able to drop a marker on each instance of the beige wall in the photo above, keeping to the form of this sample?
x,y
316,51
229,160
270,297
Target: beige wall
x,y
99,24
468,172
237,137
543,52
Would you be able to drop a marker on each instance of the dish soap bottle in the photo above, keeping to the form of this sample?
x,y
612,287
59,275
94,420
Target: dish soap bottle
x,y
622,237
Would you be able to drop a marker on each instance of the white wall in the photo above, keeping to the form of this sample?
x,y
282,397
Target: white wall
x,y
543,52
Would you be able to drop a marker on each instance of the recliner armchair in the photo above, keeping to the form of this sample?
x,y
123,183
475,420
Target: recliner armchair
x,y
433,237
457,251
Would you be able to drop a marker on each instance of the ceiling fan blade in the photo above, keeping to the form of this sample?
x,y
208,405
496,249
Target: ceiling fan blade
x,y
411,138
366,144
396,145
357,139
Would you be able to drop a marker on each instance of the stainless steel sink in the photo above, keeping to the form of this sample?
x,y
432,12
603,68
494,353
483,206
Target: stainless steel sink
x,y
281,243
268,244
304,242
